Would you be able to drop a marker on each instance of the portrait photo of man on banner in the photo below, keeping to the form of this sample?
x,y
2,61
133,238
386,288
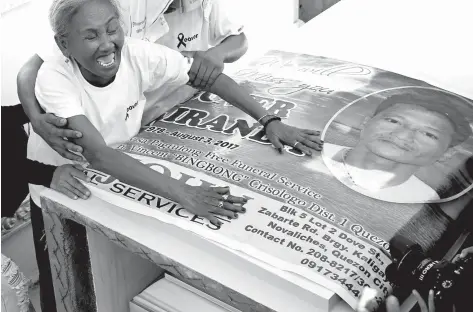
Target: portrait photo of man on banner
x,y
407,145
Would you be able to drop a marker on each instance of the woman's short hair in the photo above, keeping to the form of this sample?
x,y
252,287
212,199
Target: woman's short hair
x,y
62,11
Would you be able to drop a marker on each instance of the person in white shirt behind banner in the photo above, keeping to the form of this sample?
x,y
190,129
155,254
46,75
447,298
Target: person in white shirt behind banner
x,y
203,30
208,34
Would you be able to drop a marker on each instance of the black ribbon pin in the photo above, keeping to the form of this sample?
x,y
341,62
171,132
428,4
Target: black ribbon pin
x,y
180,37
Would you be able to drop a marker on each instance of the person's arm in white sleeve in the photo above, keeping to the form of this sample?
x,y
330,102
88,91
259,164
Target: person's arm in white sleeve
x,y
231,49
228,44
57,94
226,36
25,81
51,128
209,64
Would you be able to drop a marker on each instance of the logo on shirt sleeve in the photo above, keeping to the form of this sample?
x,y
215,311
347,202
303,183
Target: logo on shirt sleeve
x,y
137,28
182,39
129,109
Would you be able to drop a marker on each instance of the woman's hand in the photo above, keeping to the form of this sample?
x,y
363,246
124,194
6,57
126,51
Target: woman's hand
x,y
51,129
303,140
392,304
207,201
423,306
207,66
465,252
66,180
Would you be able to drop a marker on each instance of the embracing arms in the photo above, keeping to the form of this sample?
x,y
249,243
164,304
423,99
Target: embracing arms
x,y
48,126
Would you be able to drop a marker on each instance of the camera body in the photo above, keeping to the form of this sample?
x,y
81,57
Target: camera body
x,y
412,269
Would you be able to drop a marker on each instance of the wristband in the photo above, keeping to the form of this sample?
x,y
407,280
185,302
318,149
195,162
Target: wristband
x,y
270,120
259,120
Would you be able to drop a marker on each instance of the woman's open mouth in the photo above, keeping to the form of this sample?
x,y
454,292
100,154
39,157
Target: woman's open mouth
x,y
106,61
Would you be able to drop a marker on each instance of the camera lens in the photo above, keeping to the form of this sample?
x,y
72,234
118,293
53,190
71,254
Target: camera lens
x,y
411,269
409,265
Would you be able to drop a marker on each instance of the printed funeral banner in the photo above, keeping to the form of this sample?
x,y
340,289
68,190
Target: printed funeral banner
x,y
397,159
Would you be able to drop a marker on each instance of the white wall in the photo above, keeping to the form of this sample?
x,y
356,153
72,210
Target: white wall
x,y
17,45
23,30
266,21
8,5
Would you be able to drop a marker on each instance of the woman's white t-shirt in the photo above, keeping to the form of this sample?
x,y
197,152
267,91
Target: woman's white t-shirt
x,y
208,19
115,110
199,29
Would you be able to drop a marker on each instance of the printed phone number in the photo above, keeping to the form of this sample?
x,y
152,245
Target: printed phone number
x,y
333,274
191,137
